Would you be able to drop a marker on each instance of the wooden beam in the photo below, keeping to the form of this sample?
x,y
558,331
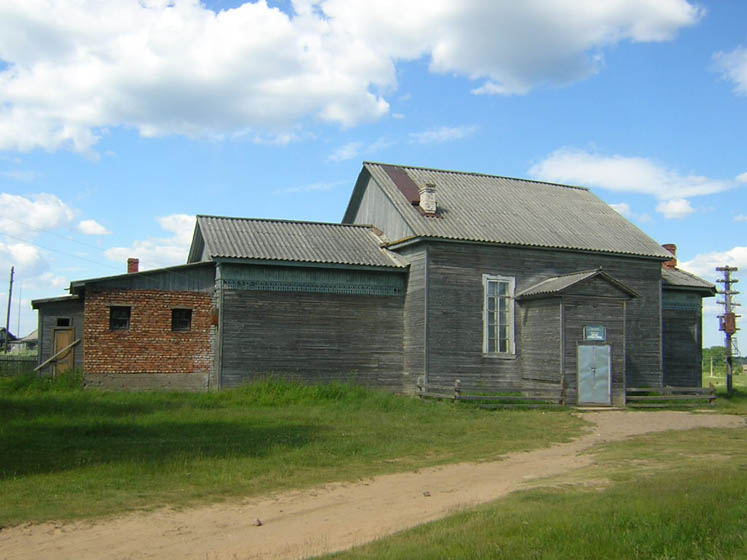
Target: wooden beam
x,y
45,362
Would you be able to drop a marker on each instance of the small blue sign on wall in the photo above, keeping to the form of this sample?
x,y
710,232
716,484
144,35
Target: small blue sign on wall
x,y
595,333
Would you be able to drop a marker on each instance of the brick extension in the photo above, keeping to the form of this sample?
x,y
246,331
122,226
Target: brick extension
x,y
149,346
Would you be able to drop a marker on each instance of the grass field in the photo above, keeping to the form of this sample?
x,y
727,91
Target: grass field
x,y
67,453
675,495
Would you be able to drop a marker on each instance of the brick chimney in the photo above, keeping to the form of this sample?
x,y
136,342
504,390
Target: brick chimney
x,y
428,198
133,265
672,248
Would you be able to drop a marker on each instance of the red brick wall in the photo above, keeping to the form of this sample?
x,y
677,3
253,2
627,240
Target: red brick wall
x,y
149,346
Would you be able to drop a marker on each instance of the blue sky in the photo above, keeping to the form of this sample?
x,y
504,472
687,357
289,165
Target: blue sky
x,y
121,120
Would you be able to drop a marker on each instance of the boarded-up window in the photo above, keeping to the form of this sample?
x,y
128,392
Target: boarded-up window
x,y
119,317
181,319
498,315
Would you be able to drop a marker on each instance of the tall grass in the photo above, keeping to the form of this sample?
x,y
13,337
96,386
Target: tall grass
x,y
67,453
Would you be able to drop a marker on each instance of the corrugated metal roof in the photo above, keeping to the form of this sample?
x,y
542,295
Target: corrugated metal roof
x,y
282,240
557,284
494,209
678,278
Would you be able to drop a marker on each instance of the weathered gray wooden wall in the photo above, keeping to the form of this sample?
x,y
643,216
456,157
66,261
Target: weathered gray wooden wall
x,y
579,312
414,317
376,209
541,362
312,337
48,314
313,324
456,297
682,338
196,278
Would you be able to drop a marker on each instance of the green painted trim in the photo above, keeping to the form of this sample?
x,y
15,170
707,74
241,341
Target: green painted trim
x,y
319,280
302,264
681,307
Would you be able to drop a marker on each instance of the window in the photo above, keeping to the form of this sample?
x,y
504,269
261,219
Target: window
x,y
181,319
119,317
498,315
63,321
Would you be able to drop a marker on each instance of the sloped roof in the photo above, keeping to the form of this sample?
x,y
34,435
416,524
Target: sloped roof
x,y
283,240
558,284
679,279
33,336
494,209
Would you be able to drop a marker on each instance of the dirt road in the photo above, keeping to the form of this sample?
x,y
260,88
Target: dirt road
x,y
332,517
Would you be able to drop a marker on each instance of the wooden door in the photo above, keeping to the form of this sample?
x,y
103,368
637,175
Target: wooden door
x,y
62,339
594,374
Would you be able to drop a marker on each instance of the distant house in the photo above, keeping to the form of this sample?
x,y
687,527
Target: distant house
x,y
504,284
6,336
25,344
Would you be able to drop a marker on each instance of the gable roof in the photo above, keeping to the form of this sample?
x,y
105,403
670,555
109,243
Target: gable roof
x,y
559,284
678,279
219,238
494,209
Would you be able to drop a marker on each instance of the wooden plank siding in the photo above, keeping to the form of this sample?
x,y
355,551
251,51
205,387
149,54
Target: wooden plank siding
x,y
581,311
314,337
376,209
541,361
49,313
414,318
195,278
682,338
456,323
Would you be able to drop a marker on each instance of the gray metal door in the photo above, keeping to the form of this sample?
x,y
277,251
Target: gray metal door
x,y
594,371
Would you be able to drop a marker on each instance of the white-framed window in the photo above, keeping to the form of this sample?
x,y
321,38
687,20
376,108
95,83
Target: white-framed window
x,y
498,315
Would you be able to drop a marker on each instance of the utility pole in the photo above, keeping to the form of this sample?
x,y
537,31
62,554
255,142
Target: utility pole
x,y
7,315
728,321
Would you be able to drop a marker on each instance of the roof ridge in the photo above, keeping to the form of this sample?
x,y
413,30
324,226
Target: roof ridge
x,y
477,174
285,221
598,269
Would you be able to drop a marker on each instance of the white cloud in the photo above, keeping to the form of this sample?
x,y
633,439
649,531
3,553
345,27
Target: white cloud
x,y
740,218
742,177
346,152
733,67
629,174
515,46
24,216
23,256
705,265
47,281
162,251
675,208
442,134
76,68
623,208
353,150
92,227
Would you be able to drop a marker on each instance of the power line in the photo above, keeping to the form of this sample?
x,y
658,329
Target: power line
x,y
60,252
50,232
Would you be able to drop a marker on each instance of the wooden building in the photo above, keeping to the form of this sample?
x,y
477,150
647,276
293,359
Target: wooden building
x,y
504,284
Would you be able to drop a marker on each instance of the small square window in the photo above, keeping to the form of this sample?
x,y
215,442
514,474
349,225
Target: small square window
x,y
181,319
63,321
119,317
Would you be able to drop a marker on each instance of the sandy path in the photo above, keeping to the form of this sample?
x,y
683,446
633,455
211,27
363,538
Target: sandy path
x,y
334,516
